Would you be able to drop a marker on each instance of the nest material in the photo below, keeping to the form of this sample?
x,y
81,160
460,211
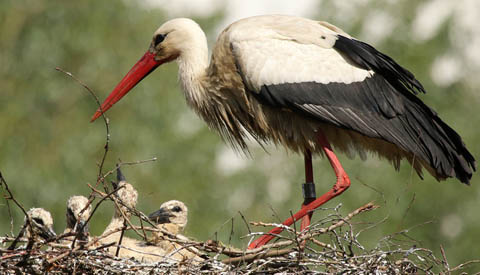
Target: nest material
x,y
295,252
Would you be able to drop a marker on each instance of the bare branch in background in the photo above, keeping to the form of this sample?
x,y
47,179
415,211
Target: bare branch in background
x,y
28,223
105,119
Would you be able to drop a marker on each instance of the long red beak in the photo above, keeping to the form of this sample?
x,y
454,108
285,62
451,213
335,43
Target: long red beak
x,y
141,69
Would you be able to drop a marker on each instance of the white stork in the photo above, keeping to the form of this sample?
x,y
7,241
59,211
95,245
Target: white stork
x,y
78,213
305,85
172,217
41,224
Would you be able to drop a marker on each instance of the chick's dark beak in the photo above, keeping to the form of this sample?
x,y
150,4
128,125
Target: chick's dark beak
x,y
47,233
160,216
82,229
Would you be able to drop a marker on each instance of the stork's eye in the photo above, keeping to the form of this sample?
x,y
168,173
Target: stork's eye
x,y
177,209
159,38
38,220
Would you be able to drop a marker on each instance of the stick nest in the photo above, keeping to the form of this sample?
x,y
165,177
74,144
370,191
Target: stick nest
x,y
328,246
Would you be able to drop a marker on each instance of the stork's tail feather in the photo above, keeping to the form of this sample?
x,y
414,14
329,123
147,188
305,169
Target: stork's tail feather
x,y
424,134
437,144
459,161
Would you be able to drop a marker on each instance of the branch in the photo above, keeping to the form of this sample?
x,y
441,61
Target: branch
x,y
3,182
105,119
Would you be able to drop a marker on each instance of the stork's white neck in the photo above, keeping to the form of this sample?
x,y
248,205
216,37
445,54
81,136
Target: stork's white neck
x,y
192,67
116,222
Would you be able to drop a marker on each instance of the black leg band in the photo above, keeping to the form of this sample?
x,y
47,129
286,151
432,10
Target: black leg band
x,y
308,190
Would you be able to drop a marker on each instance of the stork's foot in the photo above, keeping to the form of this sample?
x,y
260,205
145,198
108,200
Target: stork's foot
x,y
342,184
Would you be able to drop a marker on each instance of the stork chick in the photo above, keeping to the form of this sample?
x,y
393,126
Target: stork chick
x,y
131,248
128,197
41,224
172,217
77,216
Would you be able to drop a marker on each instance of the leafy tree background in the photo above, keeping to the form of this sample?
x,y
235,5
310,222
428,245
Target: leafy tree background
x,y
49,150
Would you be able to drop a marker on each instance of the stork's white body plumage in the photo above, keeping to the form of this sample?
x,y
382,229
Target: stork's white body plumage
x,y
269,48
304,84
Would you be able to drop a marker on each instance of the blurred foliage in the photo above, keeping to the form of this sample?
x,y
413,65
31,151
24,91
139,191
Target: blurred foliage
x,y
49,150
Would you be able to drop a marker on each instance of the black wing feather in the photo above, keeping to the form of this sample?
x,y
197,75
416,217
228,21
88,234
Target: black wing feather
x,y
382,106
368,58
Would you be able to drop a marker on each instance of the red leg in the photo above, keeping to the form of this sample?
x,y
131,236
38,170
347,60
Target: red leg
x,y
343,182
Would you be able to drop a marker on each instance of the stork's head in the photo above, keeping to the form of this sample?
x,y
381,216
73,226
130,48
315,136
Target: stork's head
x,y
171,212
77,215
175,39
41,223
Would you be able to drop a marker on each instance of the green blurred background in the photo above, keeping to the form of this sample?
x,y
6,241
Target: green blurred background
x,y
49,150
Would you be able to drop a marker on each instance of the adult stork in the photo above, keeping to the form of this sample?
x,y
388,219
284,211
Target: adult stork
x,y
309,86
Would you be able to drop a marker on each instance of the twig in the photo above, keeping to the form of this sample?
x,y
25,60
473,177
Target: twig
x,y
120,164
410,204
27,218
367,207
121,238
89,244
245,221
251,257
461,266
11,197
445,262
95,209
280,257
295,236
105,119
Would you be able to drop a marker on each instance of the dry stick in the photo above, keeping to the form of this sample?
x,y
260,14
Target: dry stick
x,y
121,238
246,223
102,178
305,236
369,206
410,204
11,217
231,233
107,139
329,246
27,218
105,119
92,242
20,234
95,209
125,218
445,262
101,200
460,266
117,202
142,228
117,206
4,183
120,164
295,235
251,257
